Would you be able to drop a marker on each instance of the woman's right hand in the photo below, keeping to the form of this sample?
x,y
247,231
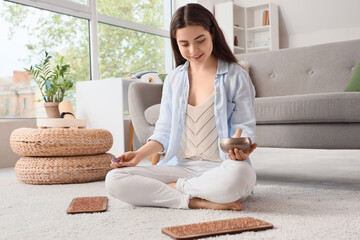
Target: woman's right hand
x,y
128,159
131,159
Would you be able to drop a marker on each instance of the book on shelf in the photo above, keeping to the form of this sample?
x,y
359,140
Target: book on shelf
x,y
265,18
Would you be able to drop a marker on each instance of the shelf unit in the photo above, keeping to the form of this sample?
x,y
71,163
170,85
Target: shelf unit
x,y
232,23
246,24
259,37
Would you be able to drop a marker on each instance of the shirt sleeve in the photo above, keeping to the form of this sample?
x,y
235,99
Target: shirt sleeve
x,y
243,115
163,124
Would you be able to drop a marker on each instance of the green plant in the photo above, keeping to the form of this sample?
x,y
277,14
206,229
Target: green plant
x,y
162,77
52,80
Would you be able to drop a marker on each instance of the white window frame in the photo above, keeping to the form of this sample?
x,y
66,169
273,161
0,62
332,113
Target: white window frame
x,y
88,11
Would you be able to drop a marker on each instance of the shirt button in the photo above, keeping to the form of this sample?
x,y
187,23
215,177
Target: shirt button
x,y
220,132
217,92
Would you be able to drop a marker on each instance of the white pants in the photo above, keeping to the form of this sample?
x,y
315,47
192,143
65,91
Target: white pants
x,y
220,182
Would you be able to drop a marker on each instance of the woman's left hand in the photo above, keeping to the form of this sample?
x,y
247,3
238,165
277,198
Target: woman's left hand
x,y
239,155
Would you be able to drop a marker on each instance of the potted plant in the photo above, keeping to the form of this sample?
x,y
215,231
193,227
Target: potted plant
x,y
53,82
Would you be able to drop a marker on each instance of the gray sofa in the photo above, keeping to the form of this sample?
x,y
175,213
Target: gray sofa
x,y
300,99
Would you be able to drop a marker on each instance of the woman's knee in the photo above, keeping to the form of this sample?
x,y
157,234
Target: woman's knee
x,y
237,183
243,172
114,182
244,179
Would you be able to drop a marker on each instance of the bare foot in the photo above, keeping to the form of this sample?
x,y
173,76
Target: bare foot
x,y
202,203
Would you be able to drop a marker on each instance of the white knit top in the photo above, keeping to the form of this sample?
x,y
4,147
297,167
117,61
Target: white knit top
x,y
200,138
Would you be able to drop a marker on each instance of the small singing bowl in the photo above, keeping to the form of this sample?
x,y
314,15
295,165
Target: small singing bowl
x,y
242,143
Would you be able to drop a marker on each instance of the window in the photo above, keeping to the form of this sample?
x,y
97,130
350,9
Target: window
x,y
129,36
79,1
27,32
150,12
124,52
24,103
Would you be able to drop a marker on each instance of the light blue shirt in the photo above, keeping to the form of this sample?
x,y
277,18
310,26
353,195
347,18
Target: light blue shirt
x,y
233,107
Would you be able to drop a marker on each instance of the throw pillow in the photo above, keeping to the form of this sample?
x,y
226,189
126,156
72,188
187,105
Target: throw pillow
x,y
152,114
354,84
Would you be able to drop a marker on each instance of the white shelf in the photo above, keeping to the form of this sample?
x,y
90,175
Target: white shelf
x,y
259,29
231,19
246,25
253,44
239,48
258,49
254,15
239,28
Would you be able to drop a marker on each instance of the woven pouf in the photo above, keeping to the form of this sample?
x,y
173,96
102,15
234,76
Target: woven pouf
x,y
32,142
58,170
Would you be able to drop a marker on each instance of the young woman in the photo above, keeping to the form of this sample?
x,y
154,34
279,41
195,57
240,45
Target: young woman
x,y
206,98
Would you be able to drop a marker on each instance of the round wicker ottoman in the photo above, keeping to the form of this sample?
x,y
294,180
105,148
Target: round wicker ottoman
x,y
59,170
32,142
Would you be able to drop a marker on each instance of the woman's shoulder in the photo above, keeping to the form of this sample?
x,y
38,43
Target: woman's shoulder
x,y
173,77
175,73
238,68
236,74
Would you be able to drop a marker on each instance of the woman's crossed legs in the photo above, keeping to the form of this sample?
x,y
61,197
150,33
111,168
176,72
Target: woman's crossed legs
x,y
199,184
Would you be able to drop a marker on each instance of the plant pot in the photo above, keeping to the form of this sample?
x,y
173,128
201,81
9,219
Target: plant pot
x,y
52,109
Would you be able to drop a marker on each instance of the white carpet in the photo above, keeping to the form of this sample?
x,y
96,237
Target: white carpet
x,y
297,212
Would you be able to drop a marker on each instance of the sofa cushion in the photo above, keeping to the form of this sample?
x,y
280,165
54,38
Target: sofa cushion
x,y
152,114
305,70
354,84
314,108
308,108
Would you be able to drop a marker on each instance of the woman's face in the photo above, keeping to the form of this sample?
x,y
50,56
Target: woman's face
x,y
195,43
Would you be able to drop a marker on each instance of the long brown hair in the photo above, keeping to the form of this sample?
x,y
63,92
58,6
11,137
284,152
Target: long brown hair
x,y
195,14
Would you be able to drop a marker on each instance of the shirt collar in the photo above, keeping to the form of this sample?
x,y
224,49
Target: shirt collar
x,y
185,66
222,68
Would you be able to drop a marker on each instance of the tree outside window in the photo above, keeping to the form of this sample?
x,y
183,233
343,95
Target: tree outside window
x,y
28,31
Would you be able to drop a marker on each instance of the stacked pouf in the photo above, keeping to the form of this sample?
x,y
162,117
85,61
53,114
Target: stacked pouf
x,y
59,155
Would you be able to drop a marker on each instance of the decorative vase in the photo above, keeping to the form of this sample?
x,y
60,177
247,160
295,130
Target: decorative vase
x,y
52,109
